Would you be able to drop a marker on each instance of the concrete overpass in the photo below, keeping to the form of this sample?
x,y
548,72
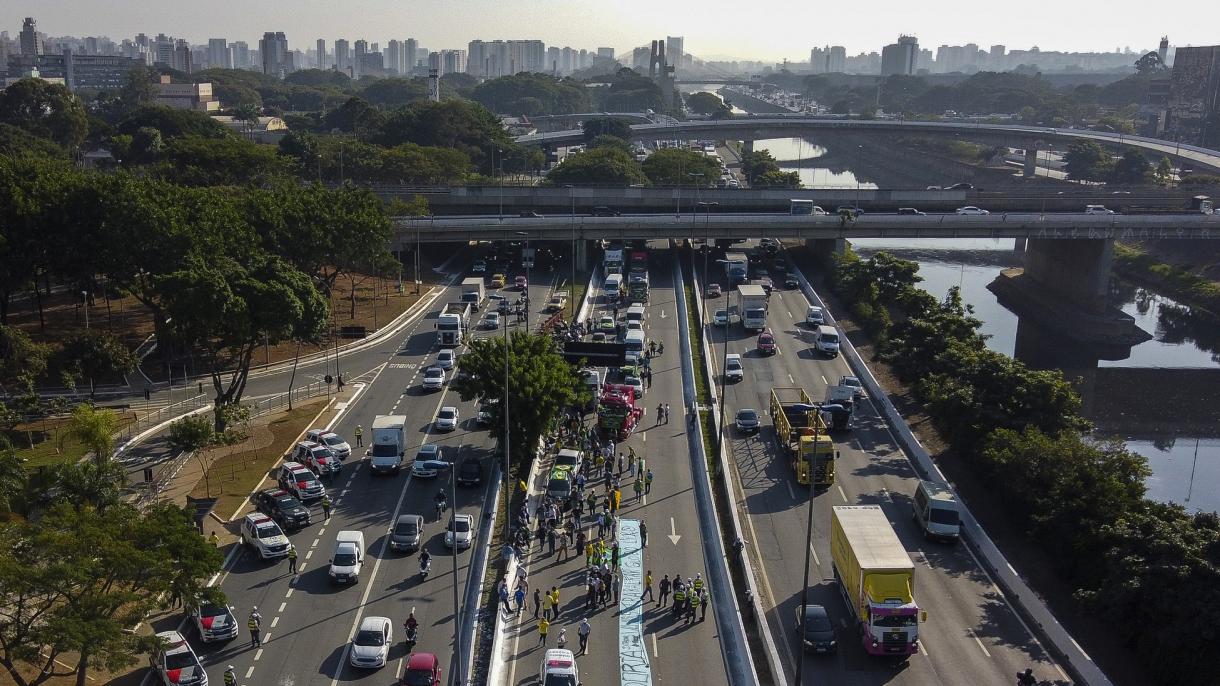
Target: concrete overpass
x,y
1031,138
1067,256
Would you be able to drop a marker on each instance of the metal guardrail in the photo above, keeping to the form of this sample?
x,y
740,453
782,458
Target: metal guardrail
x,y
262,406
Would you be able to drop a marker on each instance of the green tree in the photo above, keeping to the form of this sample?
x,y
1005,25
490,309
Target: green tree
x,y
776,178
608,141
196,161
225,309
1164,171
247,114
14,480
541,386
95,428
302,148
394,92
45,109
673,167
138,89
606,126
631,91
319,77
532,94
755,163
466,126
22,360
97,485
171,123
190,434
706,103
146,146
94,354
609,166
1087,161
16,142
1116,124
1132,168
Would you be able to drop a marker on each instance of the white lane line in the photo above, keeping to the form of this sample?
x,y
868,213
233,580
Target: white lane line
x,y
282,606
924,558
654,645
644,437
1010,568
250,671
315,543
824,381
274,620
266,637
790,379
922,649
1086,655
301,568
841,493
816,561
258,654
343,492
779,349
976,640
790,316
398,670
321,531
289,593
308,554
1061,672
791,493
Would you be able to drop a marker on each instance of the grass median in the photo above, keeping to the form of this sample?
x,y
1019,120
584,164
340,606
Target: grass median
x,y
47,441
236,470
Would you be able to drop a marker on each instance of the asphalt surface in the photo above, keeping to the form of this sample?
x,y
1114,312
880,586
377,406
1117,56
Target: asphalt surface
x,y
972,635
307,621
673,650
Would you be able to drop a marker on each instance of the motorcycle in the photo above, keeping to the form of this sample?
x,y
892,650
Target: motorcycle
x,y
412,638
425,566
441,506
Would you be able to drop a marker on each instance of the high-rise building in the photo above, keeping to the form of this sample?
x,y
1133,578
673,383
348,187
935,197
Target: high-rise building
x,y
836,62
900,57
84,72
605,53
184,58
453,61
491,59
395,60
674,50
276,59
218,54
343,56
320,55
163,50
240,54
1194,96
359,49
640,58
31,42
410,53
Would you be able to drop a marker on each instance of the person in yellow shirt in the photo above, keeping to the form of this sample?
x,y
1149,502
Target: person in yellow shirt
x,y
543,627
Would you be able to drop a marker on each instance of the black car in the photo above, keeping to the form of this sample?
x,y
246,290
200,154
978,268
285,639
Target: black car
x,y
819,633
963,186
281,506
790,281
470,472
603,211
529,213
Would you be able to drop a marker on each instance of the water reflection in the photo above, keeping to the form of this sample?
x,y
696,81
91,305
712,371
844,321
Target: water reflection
x,y
1162,396
812,175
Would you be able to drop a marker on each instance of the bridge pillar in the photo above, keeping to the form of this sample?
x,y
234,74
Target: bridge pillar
x,y
747,146
581,258
1030,169
824,247
1077,271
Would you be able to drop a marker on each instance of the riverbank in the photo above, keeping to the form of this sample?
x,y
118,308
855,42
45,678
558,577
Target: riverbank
x,y
1142,265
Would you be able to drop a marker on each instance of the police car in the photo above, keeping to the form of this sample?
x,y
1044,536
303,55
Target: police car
x,y
176,663
299,481
262,533
281,506
559,668
331,440
214,622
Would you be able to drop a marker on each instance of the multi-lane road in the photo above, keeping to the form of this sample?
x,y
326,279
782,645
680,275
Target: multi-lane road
x,y
972,635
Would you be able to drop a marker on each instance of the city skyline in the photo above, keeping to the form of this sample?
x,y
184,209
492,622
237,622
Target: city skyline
x,y
712,29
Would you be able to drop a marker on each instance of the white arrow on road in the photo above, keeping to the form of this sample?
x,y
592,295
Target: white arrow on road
x,y
662,314
673,532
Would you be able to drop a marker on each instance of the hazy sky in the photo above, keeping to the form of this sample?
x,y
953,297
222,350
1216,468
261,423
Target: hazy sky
x,y
768,30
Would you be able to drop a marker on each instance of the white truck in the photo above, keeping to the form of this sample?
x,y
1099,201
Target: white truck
x,y
472,292
837,411
452,324
752,305
612,261
736,266
389,443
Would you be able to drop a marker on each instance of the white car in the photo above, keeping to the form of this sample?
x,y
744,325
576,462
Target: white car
x,y
721,318
460,531
814,316
332,440
971,209
1097,209
637,385
428,461
491,320
214,622
733,371
446,358
447,418
176,663
261,533
558,668
434,379
371,646
478,267
854,384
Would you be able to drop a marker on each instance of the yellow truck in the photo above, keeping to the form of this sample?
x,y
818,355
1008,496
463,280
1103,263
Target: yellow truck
x,y
877,578
497,281
802,435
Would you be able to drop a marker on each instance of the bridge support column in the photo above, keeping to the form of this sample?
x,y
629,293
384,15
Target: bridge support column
x,y
824,247
747,146
1075,271
581,258
1030,169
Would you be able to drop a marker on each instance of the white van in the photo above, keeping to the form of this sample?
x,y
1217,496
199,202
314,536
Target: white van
x,y
936,511
635,313
635,341
826,340
613,284
814,316
345,564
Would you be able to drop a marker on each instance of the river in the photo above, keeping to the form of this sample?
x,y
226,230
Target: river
x,y
1185,467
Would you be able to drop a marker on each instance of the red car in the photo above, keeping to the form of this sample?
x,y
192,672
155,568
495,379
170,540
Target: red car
x,y
423,669
766,343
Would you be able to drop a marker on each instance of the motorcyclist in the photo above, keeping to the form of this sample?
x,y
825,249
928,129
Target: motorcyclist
x,y
425,560
1027,678
412,623
441,501
412,638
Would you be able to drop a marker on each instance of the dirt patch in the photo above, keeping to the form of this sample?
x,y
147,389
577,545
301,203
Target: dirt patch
x,y
1036,567
234,471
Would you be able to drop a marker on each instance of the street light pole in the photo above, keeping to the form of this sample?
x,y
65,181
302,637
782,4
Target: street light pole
x,y
816,409
507,439
457,608
85,304
501,184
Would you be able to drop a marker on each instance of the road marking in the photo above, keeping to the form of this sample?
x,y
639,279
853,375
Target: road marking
x,y
923,558
1010,568
266,637
790,316
674,535
315,543
343,493
1086,655
791,493
841,493
923,649
791,380
274,621
981,646
634,664
258,654
321,531
824,381
816,561
654,645
644,437
249,671
779,350
282,606
1061,672
289,593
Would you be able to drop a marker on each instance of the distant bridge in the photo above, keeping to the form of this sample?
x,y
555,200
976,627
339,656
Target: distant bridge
x,y
1031,138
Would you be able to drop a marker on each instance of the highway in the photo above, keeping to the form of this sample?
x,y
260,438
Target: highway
x,y
561,227
671,648
307,622
767,127
972,635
